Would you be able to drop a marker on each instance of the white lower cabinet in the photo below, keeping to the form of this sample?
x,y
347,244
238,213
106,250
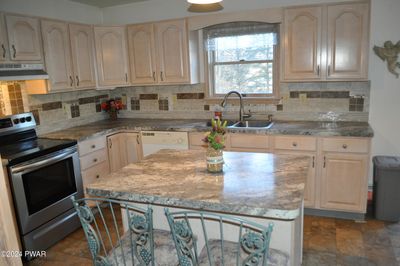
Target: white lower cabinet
x,y
123,149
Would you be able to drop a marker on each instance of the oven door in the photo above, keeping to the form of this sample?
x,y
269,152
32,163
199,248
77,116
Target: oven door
x,y
42,187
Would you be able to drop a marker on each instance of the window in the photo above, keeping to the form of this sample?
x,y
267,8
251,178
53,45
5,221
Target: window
x,y
242,56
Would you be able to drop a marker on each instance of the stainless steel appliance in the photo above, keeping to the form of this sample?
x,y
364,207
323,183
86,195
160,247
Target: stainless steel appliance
x,y
44,174
22,72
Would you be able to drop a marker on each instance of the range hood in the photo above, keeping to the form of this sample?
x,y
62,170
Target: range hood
x,y
22,72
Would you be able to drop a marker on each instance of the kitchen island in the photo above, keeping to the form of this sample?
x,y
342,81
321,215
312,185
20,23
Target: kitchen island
x,y
260,186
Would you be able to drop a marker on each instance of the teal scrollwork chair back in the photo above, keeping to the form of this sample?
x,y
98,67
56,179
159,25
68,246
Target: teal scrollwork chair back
x,y
227,240
108,244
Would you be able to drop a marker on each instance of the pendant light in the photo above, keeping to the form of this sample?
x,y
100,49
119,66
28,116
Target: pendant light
x,y
200,6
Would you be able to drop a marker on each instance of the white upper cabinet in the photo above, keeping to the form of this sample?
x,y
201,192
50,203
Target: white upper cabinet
x,y
302,43
159,53
82,49
326,42
4,53
56,46
112,56
172,51
23,38
142,54
348,41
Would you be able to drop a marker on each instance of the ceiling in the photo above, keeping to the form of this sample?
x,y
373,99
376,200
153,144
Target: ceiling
x,y
106,3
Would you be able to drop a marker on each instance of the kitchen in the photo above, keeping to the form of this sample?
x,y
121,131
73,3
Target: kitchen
x,y
167,96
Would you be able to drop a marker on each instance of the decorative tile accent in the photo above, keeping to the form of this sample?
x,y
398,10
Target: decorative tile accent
x,y
356,103
100,97
135,104
321,94
86,100
152,96
187,96
51,106
75,112
163,105
206,107
98,107
279,107
15,96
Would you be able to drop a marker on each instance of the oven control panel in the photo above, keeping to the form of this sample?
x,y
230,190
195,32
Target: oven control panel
x,y
16,122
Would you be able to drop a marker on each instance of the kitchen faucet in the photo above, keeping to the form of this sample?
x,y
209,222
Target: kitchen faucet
x,y
242,115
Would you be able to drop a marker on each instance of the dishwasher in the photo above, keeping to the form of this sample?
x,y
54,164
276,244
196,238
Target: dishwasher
x,y
153,141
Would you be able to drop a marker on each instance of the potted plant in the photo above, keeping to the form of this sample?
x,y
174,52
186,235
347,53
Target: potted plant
x,y
215,143
112,107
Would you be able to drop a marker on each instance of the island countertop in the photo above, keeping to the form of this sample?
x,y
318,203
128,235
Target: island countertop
x,y
255,184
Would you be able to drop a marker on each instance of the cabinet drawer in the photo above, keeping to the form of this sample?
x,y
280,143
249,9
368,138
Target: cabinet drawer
x,y
345,145
296,143
91,145
93,158
249,141
94,173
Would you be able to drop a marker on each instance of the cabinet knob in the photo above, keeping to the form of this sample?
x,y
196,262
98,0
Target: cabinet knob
x,y
93,146
344,146
95,160
97,176
294,144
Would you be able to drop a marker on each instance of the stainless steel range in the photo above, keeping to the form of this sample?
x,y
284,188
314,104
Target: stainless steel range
x,y
44,174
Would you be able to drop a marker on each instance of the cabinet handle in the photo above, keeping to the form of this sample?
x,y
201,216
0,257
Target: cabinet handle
x,y
154,75
324,161
317,70
329,70
294,144
313,162
126,77
4,50
14,50
137,139
97,176
110,143
72,81
93,146
77,81
161,76
344,146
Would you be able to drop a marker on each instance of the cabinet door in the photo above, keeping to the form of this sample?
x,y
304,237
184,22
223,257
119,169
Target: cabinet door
x,y
57,54
23,38
309,190
133,147
142,54
302,43
344,182
82,47
172,51
116,158
111,55
348,41
4,53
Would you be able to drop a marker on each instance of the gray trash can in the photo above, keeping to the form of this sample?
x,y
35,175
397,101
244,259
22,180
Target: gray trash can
x,y
386,195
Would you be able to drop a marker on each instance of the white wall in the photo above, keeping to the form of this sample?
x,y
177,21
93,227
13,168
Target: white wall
x,y
154,10
58,9
385,88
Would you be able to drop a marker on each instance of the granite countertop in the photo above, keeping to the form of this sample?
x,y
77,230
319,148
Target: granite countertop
x,y
256,184
312,128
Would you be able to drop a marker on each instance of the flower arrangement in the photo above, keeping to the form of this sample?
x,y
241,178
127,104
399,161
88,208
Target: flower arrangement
x,y
215,138
112,105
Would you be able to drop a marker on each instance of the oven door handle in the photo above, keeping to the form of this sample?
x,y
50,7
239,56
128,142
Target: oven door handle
x,y
41,162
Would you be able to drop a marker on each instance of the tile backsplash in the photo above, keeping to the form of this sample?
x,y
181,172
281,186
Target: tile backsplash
x,y
332,101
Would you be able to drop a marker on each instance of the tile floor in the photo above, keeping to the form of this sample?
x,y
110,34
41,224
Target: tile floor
x,y
327,241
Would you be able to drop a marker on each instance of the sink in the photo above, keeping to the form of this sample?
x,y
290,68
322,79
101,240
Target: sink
x,y
252,124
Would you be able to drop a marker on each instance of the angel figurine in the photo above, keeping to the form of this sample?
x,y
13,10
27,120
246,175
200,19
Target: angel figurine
x,y
389,52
